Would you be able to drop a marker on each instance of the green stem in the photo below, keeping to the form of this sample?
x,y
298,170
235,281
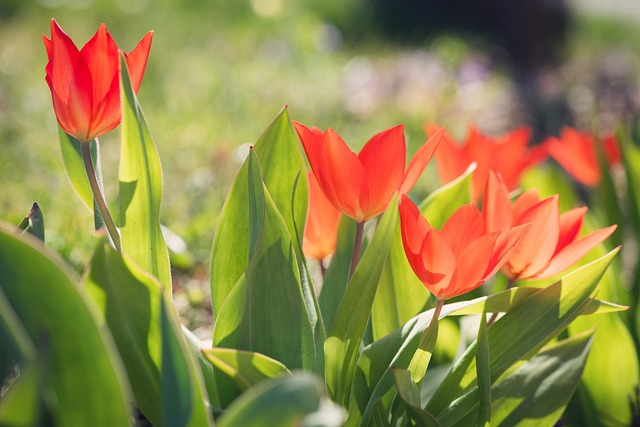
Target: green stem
x,y
97,194
356,248
510,284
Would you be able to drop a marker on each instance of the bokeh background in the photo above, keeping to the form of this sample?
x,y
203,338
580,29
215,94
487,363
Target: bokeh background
x,y
220,70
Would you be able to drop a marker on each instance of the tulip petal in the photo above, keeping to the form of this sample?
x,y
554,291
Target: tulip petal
x,y
439,264
505,245
382,158
463,227
340,175
420,161
321,230
570,227
523,203
496,208
451,158
572,253
137,60
71,84
472,264
537,247
576,154
413,226
311,142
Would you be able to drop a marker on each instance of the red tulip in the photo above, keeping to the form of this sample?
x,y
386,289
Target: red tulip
x,y
508,155
85,84
361,186
321,231
460,257
552,245
576,152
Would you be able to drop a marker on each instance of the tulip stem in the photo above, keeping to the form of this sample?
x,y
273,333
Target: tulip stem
x,y
97,194
323,269
356,248
510,284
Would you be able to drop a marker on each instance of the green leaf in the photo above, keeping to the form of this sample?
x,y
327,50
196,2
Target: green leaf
x,y
83,369
131,302
21,405
140,189
265,311
518,334
15,342
33,223
337,276
281,162
284,402
182,397
537,393
343,343
401,295
410,394
442,203
245,368
206,367
74,167
483,373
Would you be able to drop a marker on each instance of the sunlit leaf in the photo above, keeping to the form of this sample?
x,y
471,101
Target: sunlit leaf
x,y
537,393
130,300
410,394
442,203
245,368
62,324
284,402
140,189
344,341
518,334
265,311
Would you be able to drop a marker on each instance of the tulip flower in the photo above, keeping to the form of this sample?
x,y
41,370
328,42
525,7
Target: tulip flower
x,y
362,185
552,245
461,256
321,231
576,152
508,155
84,84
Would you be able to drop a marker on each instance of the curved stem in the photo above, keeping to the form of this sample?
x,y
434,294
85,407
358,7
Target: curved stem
x,y
356,248
97,194
510,284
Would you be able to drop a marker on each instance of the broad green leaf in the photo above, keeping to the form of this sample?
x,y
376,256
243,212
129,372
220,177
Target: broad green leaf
x,y
442,203
537,393
33,223
483,372
373,377
518,335
245,368
281,162
140,189
182,386
337,276
630,154
284,402
265,311
21,405
206,367
61,321
74,167
421,358
130,302
410,394
343,343
401,295
15,343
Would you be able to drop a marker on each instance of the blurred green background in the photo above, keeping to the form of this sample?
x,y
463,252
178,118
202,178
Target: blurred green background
x,y
219,71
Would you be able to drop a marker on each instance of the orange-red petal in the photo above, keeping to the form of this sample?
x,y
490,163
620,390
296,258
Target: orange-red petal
x,y
420,161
